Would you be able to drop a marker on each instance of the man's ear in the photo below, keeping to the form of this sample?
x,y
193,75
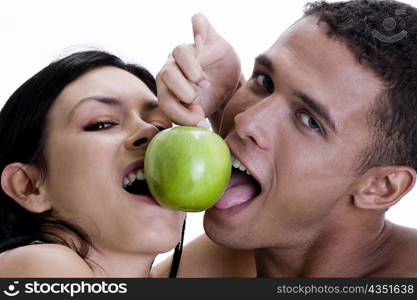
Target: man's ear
x,y
23,183
382,187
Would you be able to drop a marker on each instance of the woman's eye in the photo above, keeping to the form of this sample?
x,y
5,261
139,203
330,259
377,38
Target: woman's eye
x,y
99,125
309,122
265,82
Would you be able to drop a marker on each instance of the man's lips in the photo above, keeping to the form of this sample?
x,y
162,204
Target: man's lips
x,y
234,149
244,186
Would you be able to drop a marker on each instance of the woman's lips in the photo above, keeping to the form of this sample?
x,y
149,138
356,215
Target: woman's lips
x,y
144,198
139,197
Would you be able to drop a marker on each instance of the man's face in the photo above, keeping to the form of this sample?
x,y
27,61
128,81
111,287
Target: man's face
x,y
298,125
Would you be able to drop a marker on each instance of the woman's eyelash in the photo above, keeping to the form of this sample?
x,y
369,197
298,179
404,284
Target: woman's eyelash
x,y
99,125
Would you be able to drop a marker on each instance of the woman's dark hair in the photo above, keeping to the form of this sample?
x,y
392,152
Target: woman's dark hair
x,y
23,122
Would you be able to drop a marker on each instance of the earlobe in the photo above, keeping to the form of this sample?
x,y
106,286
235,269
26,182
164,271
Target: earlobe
x,y
21,182
382,187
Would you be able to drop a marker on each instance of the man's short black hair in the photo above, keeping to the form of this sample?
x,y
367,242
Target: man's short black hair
x,y
382,35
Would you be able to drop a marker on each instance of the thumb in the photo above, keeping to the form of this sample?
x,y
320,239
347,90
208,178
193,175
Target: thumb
x,y
209,44
203,32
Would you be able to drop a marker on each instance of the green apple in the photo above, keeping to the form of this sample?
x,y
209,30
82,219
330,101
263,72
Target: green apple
x,y
187,168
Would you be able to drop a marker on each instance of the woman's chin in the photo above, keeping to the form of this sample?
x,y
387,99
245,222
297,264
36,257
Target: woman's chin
x,y
161,240
163,246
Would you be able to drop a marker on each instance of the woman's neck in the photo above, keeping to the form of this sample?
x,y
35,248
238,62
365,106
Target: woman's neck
x,y
107,263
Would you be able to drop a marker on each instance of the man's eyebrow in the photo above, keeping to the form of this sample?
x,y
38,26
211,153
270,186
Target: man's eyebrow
x,y
318,108
265,61
105,100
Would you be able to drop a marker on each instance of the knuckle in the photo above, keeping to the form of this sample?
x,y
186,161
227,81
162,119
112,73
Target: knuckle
x,y
169,67
164,104
181,50
197,76
166,75
189,97
177,51
158,77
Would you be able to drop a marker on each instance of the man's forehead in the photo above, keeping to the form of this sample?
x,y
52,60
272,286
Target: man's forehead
x,y
307,59
307,38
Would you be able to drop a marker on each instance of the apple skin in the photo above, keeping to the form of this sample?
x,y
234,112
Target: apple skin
x,y
187,168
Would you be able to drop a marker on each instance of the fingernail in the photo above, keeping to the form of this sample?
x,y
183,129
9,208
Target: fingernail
x,y
204,84
204,124
199,41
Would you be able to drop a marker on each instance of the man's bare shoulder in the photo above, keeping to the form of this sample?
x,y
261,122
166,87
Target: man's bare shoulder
x,y
406,239
403,258
43,260
203,258
406,253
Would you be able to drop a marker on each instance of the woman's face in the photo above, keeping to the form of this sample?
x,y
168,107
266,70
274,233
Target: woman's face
x,y
98,131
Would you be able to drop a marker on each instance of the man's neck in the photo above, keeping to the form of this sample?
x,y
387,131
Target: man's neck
x,y
347,252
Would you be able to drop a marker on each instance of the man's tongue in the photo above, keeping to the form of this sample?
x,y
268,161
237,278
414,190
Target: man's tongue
x,y
241,189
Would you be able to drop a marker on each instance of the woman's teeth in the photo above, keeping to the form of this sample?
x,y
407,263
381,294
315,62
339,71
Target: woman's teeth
x,y
238,165
131,177
138,175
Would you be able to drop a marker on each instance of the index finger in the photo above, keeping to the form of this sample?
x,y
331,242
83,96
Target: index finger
x,y
175,110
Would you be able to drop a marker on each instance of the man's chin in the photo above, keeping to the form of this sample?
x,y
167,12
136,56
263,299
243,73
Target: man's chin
x,y
225,237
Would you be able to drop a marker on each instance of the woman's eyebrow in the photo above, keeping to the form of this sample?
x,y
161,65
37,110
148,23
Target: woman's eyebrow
x,y
105,100
151,104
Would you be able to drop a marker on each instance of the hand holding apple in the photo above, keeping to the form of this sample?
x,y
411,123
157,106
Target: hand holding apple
x,y
187,168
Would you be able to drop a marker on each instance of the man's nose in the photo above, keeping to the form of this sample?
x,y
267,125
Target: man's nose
x,y
256,122
141,136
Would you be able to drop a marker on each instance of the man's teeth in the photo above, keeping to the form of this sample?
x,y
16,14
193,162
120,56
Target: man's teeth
x,y
131,177
138,175
238,165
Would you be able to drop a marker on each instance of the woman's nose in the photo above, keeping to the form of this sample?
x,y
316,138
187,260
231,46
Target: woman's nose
x,y
141,136
140,141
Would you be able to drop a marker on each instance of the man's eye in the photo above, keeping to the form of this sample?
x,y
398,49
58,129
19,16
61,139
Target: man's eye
x,y
309,122
99,125
265,82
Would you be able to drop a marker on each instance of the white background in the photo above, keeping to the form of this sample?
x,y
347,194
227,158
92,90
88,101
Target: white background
x,y
33,33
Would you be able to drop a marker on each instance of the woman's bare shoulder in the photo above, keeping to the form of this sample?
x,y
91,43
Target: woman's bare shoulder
x,y
204,258
43,260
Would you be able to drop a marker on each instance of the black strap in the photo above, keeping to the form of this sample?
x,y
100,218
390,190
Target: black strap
x,y
176,259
